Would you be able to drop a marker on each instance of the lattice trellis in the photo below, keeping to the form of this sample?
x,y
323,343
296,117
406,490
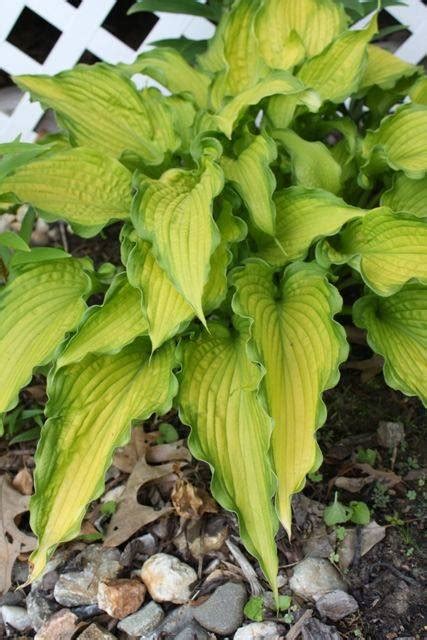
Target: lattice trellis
x,y
81,30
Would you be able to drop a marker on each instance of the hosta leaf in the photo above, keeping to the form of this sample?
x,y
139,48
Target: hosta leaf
x,y
15,154
101,109
301,348
40,303
418,92
384,69
312,163
108,327
397,330
280,23
336,72
387,249
166,310
82,186
407,195
171,70
252,167
174,214
276,82
303,216
390,145
90,409
231,431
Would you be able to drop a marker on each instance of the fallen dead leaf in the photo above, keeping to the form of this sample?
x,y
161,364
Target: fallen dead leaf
x,y
125,458
23,482
370,535
190,501
12,540
388,478
168,452
352,485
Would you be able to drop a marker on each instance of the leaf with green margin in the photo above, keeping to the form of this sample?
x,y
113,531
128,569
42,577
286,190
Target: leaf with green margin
x,y
170,69
312,163
188,7
304,216
15,154
102,109
384,69
13,241
40,303
166,310
418,92
174,214
82,186
386,248
281,23
301,347
391,145
252,167
109,327
90,409
231,431
409,196
397,330
276,82
336,73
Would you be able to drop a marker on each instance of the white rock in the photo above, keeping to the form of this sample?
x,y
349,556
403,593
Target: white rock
x,y
16,617
313,577
258,631
167,578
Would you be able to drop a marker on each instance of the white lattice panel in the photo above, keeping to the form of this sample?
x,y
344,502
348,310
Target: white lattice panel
x,y
81,30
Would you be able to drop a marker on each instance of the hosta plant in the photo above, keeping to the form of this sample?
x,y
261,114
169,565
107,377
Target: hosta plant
x,y
288,165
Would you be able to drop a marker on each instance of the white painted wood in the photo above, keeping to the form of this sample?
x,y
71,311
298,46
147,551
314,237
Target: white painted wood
x,y
81,30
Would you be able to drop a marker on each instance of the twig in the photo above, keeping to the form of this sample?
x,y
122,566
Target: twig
x,y
296,629
400,574
63,234
247,569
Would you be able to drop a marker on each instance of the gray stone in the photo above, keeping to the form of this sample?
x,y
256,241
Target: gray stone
x,y
223,612
313,577
315,630
103,562
167,578
174,622
258,631
390,434
192,632
16,617
336,605
39,609
143,621
93,632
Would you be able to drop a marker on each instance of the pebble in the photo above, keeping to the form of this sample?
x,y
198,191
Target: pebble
x,y
316,630
93,632
192,632
16,617
222,613
336,605
39,609
119,598
143,621
174,622
313,577
167,578
258,631
61,626
390,434
143,546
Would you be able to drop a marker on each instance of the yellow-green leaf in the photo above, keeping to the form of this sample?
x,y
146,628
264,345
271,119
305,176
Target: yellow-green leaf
x,y
384,69
301,348
231,431
108,327
90,409
312,163
336,73
418,92
170,69
397,330
252,167
101,108
387,249
303,216
40,303
281,24
400,142
174,214
407,195
81,185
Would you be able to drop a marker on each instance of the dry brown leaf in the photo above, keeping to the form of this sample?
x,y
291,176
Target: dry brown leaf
x,y
352,485
12,540
190,501
370,535
168,452
23,482
388,478
130,515
125,458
